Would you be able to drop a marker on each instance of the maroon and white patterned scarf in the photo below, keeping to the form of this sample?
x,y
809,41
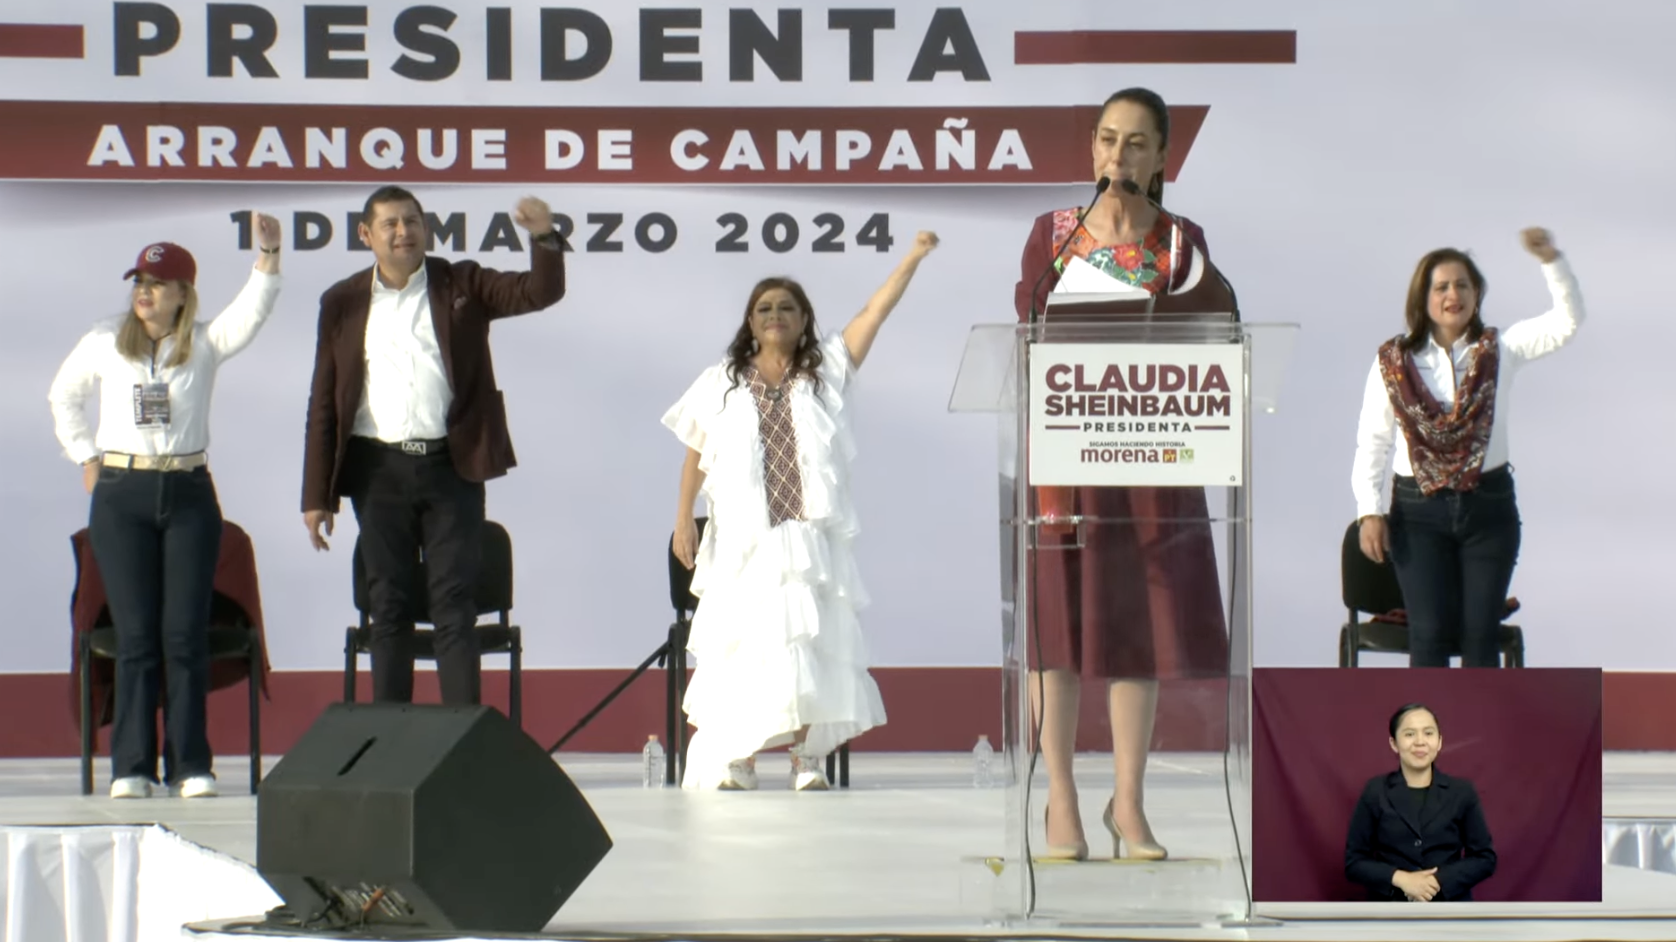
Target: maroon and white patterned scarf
x,y
1446,448
781,476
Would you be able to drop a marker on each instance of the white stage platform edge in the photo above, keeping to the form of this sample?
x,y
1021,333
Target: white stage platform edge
x,y
881,860
1641,843
138,883
124,883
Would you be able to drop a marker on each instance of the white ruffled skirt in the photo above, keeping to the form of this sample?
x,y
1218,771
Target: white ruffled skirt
x,y
777,646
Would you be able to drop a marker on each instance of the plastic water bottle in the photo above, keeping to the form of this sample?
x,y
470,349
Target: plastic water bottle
x,y
651,763
983,758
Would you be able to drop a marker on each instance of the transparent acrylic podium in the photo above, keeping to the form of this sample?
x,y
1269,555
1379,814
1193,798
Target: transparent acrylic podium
x,y
1059,461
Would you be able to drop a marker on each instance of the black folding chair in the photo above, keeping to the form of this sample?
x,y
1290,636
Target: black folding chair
x,y
1371,588
686,606
681,598
493,595
231,636
672,656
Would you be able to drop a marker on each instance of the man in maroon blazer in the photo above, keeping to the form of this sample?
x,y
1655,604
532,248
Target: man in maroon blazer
x,y
405,420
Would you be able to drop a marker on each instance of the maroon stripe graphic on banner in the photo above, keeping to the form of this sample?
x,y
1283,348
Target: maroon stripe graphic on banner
x,y
1154,47
31,41
736,146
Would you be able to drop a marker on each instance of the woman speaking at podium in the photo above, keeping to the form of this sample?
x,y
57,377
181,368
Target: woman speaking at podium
x,y
1435,411
1139,601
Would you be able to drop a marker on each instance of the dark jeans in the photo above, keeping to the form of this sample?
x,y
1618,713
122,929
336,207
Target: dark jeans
x,y
407,504
1454,553
157,538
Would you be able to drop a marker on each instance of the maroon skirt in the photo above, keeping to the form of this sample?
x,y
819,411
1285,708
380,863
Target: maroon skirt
x,y
1140,599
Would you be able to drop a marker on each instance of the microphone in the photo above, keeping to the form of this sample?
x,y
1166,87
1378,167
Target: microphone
x,y
1099,190
1133,189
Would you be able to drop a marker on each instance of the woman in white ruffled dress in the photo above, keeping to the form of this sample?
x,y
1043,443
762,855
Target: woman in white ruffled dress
x,y
779,652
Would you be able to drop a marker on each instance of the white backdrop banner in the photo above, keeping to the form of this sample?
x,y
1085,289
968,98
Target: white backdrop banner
x,y
692,150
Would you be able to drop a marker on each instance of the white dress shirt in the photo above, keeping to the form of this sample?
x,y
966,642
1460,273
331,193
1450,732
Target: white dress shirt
x,y
95,361
405,396
1381,446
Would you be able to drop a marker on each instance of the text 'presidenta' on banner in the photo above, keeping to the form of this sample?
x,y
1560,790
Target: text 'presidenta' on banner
x,y
1131,415
617,94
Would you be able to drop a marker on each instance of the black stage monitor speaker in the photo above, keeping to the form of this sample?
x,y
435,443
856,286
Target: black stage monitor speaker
x,y
446,818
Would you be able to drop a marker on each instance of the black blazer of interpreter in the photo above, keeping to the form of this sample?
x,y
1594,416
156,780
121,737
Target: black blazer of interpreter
x,y
1450,834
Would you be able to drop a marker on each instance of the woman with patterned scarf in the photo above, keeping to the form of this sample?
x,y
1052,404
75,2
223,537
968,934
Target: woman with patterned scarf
x,y
1435,412
781,657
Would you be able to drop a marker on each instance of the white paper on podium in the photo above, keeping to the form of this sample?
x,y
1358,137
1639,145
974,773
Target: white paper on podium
x,y
1080,277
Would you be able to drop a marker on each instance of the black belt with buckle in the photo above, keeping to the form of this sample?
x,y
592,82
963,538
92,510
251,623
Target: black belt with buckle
x,y
417,447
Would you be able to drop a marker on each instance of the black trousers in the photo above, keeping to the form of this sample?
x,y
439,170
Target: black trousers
x,y
407,505
156,536
1454,554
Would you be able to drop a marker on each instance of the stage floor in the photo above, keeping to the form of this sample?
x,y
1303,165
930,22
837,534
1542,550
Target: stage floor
x,y
893,855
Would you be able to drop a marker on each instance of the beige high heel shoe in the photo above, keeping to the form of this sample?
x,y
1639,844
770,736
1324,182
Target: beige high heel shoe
x,y
1077,851
1138,850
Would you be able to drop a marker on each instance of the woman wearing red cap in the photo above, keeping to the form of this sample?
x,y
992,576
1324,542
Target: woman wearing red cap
x,y
155,522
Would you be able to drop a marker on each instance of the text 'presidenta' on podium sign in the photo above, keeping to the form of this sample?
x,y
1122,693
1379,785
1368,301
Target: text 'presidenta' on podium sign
x,y
1143,414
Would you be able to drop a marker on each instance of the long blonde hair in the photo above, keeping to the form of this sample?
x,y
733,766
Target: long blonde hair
x,y
134,343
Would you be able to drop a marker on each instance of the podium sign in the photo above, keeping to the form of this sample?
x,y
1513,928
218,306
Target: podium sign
x,y
1137,414
1113,394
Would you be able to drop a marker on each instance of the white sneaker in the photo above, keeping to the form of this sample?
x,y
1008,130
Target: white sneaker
x,y
131,786
807,773
741,776
199,786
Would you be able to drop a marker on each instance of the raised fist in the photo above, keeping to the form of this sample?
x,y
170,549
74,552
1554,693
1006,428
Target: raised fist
x,y
1539,243
267,231
533,215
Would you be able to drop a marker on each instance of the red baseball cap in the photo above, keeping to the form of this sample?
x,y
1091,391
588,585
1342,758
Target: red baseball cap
x,y
165,261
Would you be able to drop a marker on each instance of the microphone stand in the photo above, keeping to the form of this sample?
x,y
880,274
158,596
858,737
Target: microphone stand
x,y
1133,189
1035,638
1099,190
